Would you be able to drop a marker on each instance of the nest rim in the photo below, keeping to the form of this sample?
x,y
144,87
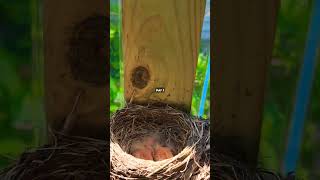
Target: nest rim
x,y
187,162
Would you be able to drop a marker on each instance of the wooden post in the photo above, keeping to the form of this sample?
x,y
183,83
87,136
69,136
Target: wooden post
x,y
161,41
243,39
76,62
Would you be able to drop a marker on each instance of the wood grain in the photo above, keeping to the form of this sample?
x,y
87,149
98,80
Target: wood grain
x,y
243,39
76,60
160,48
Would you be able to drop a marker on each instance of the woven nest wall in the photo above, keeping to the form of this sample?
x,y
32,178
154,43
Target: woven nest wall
x,y
84,158
188,135
67,158
228,168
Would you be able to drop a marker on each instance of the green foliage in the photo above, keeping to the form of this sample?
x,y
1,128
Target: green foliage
x,y
198,85
16,80
292,27
116,73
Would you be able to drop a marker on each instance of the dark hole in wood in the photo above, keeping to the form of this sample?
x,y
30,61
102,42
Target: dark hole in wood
x,y
248,92
140,77
233,116
87,53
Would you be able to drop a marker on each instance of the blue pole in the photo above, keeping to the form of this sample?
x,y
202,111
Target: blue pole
x,y
204,89
303,92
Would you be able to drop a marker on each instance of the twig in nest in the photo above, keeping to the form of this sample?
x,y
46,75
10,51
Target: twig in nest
x,y
71,116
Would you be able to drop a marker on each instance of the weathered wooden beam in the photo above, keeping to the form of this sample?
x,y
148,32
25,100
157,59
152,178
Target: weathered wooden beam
x,y
243,38
161,41
76,62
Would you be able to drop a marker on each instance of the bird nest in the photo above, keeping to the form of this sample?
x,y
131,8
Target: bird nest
x,y
189,137
228,168
66,158
81,158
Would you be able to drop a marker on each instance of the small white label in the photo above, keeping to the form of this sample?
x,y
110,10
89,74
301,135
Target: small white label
x,y
159,90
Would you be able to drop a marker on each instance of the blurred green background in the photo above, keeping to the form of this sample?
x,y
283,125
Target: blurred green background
x,y
292,28
21,92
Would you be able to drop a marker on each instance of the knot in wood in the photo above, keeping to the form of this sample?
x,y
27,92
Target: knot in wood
x,y
88,54
140,77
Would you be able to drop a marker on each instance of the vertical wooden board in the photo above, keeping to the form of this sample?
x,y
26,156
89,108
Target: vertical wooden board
x,y
242,47
76,62
161,41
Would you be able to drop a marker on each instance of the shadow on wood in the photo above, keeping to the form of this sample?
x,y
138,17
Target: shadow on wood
x,y
243,38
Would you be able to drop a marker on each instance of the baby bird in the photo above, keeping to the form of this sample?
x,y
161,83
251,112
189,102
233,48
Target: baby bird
x,y
143,149
149,148
161,152
150,141
143,154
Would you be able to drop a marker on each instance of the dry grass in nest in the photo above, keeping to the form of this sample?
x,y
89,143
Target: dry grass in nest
x,y
189,135
83,158
68,158
227,168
